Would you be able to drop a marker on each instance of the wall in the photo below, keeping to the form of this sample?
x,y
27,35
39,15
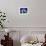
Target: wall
x,y
39,13
36,18
11,7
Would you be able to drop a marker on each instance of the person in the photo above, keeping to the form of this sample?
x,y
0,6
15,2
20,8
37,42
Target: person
x,y
44,44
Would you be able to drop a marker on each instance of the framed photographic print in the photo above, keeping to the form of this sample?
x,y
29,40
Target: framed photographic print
x,y
23,10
